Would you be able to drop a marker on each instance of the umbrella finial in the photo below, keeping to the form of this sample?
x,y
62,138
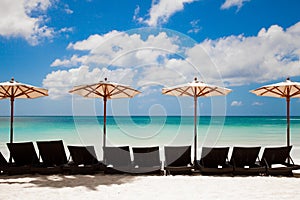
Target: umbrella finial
x,y
12,80
195,79
288,79
105,79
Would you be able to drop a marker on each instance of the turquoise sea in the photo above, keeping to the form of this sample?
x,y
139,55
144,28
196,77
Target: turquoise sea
x,y
153,131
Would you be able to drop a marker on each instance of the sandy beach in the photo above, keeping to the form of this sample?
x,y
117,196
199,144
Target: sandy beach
x,y
102,186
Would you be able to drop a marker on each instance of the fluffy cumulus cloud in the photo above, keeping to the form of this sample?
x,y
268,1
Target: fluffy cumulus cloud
x,y
162,59
73,61
120,49
61,81
162,10
16,19
232,3
118,54
272,54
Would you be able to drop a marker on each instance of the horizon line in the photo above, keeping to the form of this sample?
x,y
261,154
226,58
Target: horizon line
x,y
149,115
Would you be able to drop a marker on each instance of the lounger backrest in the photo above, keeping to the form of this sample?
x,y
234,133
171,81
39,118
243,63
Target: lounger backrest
x,y
213,157
117,156
146,156
244,156
276,155
23,153
52,152
83,155
177,156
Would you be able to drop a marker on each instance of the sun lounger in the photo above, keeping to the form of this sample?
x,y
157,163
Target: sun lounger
x,y
117,160
178,160
53,156
276,161
214,161
84,160
24,156
245,161
4,165
11,168
146,160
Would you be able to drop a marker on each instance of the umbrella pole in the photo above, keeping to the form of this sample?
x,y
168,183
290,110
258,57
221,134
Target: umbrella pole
x,y
104,122
11,123
195,130
288,123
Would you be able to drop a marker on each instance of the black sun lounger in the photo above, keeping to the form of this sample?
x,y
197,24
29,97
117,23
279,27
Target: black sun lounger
x,y
273,156
245,161
84,160
178,160
146,160
12,168
117,160
25,158
4,165
214,161
53,156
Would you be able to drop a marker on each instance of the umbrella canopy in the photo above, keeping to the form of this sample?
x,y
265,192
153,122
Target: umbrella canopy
x,y
196,89
287,90
106,90
13,90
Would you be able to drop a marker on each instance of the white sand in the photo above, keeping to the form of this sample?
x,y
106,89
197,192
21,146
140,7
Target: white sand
x,y
110,187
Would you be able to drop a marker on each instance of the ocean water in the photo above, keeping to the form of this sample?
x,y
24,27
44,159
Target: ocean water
x,y
153,131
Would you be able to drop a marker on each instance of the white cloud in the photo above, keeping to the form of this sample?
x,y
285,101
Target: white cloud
x,y
136,15
16,19
236,103
162,10
36,5
274,53
68,10
65,29
256,103
93,41
231,3
125,54
195,26
158,59
122,49
74,61
61,81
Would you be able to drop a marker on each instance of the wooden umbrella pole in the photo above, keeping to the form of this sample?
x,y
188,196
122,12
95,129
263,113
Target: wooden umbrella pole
x,y
11,119
288,124
195,130
288,121
104,122
11,123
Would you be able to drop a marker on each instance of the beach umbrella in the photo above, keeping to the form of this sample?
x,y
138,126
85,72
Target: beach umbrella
x,y
14,90
106,90
287,90
196,89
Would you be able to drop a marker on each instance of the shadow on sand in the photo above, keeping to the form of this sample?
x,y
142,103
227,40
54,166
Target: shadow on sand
x,y
60,181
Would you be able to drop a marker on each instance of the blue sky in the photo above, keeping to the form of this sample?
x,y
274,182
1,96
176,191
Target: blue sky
x,y
150,44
